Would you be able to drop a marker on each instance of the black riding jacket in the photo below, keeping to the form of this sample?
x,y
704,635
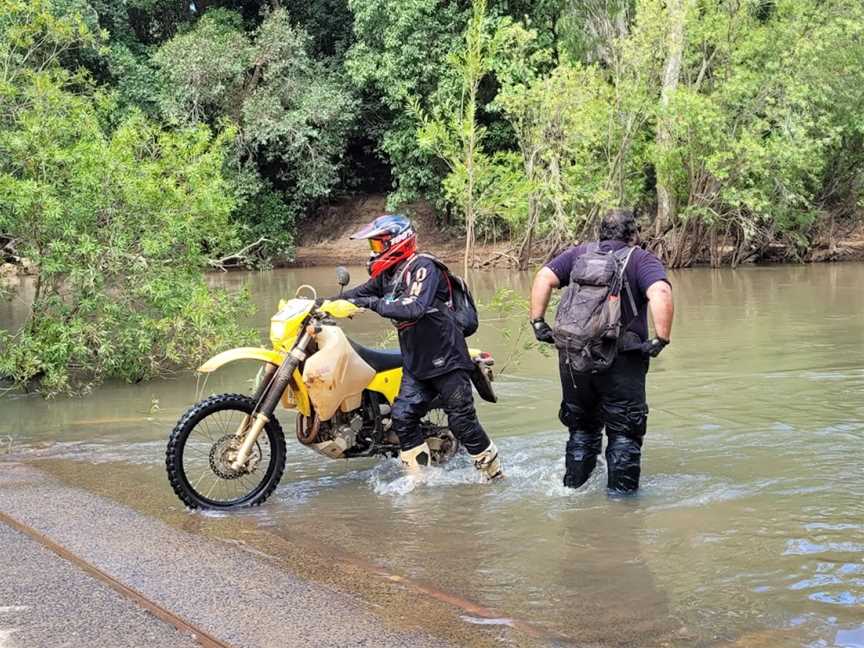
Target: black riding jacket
x,y
414,295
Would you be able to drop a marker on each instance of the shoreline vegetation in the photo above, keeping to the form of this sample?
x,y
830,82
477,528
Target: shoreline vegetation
x,y
145,143
836,243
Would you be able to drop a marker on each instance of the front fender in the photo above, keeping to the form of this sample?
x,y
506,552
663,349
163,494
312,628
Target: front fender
x,y
297,398
242,353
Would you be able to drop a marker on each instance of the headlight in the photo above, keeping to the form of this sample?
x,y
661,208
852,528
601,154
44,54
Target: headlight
x,y
277,330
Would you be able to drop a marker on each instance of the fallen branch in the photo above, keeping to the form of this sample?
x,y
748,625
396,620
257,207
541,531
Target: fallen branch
x,y
498,255
237,258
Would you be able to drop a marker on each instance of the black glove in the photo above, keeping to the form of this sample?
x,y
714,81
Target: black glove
x,y
365,302
542,331
654,346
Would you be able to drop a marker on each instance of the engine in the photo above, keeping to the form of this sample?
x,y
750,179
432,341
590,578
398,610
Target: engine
x,y
331,438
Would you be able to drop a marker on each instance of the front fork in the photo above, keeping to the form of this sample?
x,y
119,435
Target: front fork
x,y
267,399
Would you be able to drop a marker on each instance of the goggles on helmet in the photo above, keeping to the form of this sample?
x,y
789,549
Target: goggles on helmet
x,y
378,245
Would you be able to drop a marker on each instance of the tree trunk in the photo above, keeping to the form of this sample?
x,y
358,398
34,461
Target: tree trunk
x,y
533,218
666,207
470,212
469,242
528,240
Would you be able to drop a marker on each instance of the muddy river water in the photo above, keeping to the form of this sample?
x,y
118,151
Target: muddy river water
x,y
749,526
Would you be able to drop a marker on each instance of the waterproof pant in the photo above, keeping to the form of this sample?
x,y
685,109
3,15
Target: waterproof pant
x,y
614,399
453,393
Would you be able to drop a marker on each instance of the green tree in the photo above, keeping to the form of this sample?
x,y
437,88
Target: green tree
x,y
118,223
735,120
580,130
119,227
292,112
452,131
759,114
400,53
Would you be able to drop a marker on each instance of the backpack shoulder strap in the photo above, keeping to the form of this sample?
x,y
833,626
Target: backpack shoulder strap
x,y
626,284
438,262
627,253
402,274
449,277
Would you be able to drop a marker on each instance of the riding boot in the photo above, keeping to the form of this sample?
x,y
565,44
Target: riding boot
x,y
417,458
623,456
488,464
581,457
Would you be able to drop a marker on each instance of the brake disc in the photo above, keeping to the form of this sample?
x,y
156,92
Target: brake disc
x,y
223,453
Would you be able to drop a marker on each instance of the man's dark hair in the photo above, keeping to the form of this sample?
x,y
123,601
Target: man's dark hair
x,y
619,225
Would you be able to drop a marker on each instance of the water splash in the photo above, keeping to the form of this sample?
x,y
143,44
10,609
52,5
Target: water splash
x,y
388,477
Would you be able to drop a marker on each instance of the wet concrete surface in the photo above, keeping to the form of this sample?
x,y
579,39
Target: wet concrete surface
x,y
47,601
310,550
240,596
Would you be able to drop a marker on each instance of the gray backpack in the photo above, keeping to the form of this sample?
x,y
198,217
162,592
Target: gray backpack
x,y
588,321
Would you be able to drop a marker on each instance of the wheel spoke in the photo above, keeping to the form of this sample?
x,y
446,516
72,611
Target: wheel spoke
x,y
210,490
204,427
195,485
205,451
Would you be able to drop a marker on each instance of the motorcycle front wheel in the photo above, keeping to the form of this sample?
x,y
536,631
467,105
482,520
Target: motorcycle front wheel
x,y
203,445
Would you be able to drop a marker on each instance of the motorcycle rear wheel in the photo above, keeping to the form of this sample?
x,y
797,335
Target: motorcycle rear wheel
x,y
442,443
199,452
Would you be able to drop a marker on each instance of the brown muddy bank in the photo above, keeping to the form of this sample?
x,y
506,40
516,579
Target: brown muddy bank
x,y
324,240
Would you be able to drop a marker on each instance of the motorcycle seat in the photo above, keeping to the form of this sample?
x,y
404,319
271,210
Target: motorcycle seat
x,y
378,359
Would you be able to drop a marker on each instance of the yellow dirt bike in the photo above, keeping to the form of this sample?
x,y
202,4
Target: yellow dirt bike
x,y
228,450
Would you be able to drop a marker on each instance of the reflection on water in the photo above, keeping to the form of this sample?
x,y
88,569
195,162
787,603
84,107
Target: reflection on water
x,y
750,524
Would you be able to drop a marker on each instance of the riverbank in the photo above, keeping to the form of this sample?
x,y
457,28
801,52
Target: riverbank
x,y
323,239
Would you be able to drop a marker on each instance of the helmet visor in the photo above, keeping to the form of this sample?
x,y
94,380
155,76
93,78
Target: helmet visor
x,y
378,245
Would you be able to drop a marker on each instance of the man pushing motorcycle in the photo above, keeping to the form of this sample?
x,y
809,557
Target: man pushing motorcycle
x,y
414,290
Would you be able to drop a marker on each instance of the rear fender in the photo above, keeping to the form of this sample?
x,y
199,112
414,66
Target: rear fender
x,y
482,375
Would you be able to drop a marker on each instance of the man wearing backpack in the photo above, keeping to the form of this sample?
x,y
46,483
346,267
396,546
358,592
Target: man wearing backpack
x,y
414,291
601,331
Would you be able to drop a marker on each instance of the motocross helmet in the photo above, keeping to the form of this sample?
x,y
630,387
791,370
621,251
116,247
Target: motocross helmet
x,y
392,239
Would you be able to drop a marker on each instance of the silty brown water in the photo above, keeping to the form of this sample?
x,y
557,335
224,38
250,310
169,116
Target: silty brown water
x,y
749,526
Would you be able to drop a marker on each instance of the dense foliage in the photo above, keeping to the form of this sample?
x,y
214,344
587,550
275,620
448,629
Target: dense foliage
x,y
731,124
292,113
117,220
144,140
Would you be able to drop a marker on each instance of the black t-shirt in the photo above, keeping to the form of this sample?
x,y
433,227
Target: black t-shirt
x,y
414,298
643,270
